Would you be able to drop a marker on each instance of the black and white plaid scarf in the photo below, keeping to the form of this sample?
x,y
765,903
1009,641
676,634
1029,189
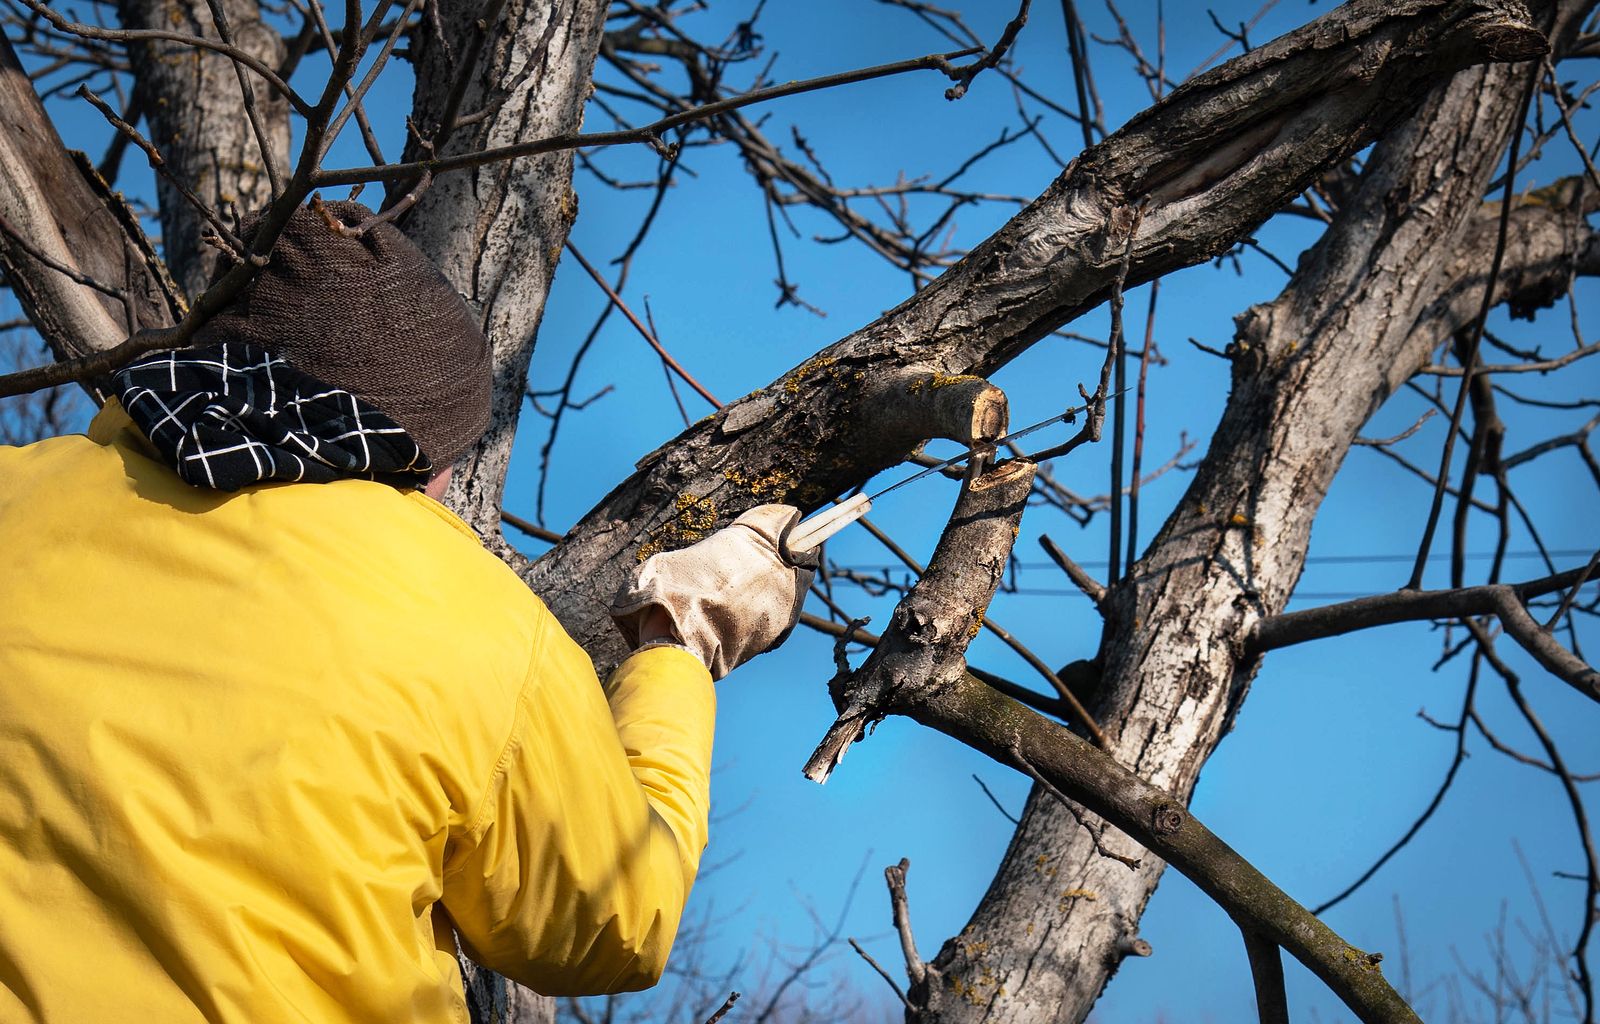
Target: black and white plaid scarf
x,y
232,414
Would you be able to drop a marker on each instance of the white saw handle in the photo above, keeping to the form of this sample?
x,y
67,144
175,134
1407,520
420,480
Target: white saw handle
x,y
811,533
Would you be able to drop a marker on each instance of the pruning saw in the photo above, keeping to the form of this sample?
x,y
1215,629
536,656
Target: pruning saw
x,y
812,532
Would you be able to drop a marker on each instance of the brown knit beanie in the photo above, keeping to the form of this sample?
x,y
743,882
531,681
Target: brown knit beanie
x,y
373,316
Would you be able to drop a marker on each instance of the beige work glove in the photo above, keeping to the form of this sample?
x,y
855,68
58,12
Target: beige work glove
x,y
730,597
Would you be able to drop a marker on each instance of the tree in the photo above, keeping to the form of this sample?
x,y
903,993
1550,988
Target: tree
x,y
1410,260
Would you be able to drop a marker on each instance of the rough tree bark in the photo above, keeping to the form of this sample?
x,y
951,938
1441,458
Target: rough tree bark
x,y
192,101
497,231
1389,280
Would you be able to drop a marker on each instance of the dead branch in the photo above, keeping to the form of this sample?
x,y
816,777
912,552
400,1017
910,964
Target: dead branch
x,y
722,1011
885,975
1092,588
937,619
895,876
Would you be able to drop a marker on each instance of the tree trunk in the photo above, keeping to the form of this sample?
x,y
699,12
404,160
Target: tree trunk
x,y
195,109
497,231
1309,368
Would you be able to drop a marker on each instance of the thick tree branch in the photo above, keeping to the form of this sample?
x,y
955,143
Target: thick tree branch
x,y
968,711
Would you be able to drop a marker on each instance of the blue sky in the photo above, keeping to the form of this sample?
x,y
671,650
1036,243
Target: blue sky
x,y
1329,761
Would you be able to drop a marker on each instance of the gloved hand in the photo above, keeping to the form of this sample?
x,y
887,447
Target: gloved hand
x,y
730,597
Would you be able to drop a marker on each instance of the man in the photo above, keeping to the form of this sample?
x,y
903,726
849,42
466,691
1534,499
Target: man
x,y
275,729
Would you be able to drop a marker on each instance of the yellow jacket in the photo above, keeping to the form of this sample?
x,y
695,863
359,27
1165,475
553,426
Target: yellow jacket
x,y
258,750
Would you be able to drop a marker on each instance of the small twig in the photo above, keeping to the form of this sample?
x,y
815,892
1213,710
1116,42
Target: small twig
x,y
317,21
1096,833
110,164
995,800
733,997
644,332
1232,39
1139,423
354,102
1092,588
1458,757
71,273
269,158
964,76
1541,366
895,876
531,529
1080,69
1579,954
1572,592
1381,442
1566,122
1114,356
881,972
482,26
647,134
1470,353
230,243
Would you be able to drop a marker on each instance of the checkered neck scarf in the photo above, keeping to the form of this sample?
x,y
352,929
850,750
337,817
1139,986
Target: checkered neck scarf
x,y
232,414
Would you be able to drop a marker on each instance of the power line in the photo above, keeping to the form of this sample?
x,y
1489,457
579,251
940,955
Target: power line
x,y
897,569
1369,559
1299,595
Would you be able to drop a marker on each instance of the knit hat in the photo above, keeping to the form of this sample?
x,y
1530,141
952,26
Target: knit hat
x,y
371,315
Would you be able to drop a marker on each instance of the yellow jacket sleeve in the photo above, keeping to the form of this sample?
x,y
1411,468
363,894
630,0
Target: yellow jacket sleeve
x,y
572,876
